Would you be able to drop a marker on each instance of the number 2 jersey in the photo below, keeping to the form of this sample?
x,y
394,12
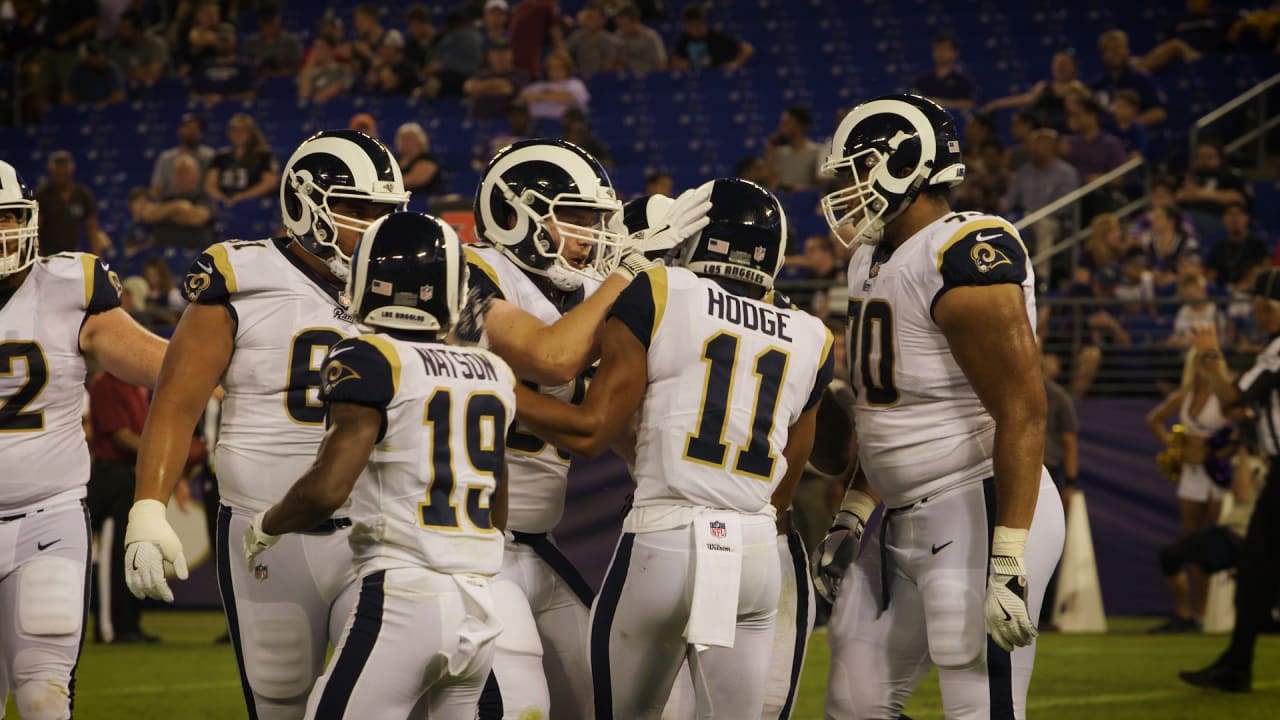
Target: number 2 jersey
x,y
921,427
43,455
424,498
727,378
287,317
539,472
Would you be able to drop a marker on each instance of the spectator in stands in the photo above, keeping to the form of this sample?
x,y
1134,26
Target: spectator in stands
x,y
593,48
245,170
140,55
947,85
1166,244
1124,115
535,24
226,76
493,90
986,179
273,50
164,299
1163,192
68,211
419,166
322,77
1209,186
135,237
367,19
642,50
1199,32
417,46
822,266
1023,125
1122,74
1196,309
1061,433
389,73
190,142
1040,181
1239,250
494,22
978,129
657,182
755,169
519,127
1090,150
1046,100
699,48
183,218
1102,254
793,157
67,25
575,128
332,28
197,43
95,79
548,99
364,122
457,54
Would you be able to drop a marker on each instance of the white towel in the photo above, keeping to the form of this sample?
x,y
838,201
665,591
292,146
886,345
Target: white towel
x,y
717,552
480,627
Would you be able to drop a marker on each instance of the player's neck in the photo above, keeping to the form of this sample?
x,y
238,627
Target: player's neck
x,y
316,264
14,281
919,215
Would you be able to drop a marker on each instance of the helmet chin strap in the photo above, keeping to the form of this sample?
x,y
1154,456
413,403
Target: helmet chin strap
x,y
563,278
338,267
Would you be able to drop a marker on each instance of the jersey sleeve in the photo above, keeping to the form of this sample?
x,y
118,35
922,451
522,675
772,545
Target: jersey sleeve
x,y
986,251
641,305
211,280
483,278
826,371
363,370
102,287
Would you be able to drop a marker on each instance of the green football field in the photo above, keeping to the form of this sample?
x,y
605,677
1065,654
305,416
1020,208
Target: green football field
x,y
1124,674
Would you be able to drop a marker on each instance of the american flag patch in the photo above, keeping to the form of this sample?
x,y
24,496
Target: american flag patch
x,y
380,287
717,529
953,146
719,247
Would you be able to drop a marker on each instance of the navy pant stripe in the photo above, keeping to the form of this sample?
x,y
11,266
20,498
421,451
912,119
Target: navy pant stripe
x,y
490,706
800,568
226,589
356,649
551,555
602,625
84,616
999,663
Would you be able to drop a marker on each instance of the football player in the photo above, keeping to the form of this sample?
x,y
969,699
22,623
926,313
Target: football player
x,y
553,259
263,314
726,385
54,312
420,641
950,417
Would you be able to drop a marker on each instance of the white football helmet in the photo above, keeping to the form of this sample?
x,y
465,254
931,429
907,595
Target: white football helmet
x,y
18,246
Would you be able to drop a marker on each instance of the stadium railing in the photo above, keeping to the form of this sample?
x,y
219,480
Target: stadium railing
x,y
1252,100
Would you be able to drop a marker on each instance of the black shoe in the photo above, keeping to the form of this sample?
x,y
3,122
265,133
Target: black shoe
x,y
1175,625
136,637
1219,676
223,639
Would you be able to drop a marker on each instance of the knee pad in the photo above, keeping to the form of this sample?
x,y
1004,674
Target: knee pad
x,y
956,625
277,646
42,676
51,596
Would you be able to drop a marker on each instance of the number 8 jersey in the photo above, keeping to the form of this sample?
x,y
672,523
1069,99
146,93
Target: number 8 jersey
x,y
287,317
43,456
728,377
921,427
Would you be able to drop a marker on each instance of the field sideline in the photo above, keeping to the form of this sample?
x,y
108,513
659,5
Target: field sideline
x,y
1125,674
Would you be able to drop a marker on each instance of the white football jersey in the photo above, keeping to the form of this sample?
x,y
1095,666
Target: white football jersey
x,y
727,378
43,454
539,471
423,500
921,427
287,317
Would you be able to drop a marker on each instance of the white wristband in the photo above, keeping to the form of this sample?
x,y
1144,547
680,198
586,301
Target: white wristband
x,y
858,503
1010,542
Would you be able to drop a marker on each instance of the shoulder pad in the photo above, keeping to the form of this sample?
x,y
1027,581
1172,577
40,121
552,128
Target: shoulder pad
x,y
211,278
983,251
363,370
93,285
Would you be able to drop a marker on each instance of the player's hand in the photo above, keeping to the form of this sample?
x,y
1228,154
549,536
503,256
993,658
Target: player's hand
x,y
1008,620
685,218
150,543
832,558
634,263
255,540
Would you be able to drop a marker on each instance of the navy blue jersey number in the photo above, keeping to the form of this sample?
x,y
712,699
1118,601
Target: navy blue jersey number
x,y
872,328
484,452
306,356
14,416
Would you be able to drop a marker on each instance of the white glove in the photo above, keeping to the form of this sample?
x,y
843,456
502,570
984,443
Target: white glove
x,y
634,263
255,540
684,218
832,558
149,544
1008,621
469,328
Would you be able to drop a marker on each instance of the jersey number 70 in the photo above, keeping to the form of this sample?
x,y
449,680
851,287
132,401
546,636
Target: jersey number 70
x,y
871,347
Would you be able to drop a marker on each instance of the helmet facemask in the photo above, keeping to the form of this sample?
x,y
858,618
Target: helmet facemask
x,y
19,246
325,223
589,222
858,212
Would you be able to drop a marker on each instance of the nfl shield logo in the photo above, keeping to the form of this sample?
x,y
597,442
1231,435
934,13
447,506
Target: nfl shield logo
x,y
717,529
260,572
426,293
760,253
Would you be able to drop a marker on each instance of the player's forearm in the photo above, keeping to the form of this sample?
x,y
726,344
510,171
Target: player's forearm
x,y
164,447
559,423
1018,460
555,354
307,504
